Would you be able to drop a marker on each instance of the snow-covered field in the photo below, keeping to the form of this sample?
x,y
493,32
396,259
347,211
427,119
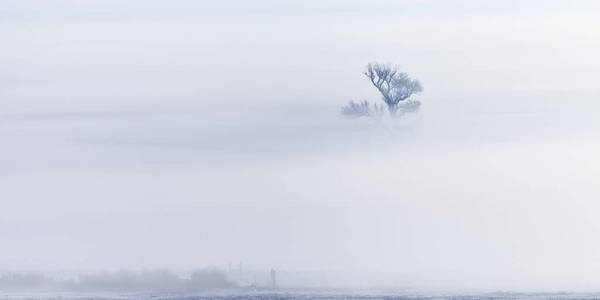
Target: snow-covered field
x,y
303,295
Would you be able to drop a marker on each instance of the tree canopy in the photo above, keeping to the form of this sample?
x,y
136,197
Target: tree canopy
x,y
393,85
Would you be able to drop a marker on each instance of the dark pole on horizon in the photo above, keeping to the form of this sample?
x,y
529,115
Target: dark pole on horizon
x,y
273,279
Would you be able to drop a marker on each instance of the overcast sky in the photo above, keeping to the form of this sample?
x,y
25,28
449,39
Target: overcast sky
x,y
181,134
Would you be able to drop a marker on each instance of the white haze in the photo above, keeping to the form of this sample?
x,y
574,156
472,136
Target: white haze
x,y
148,135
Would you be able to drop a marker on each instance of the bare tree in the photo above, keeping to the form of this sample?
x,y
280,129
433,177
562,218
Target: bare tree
x,y
394,86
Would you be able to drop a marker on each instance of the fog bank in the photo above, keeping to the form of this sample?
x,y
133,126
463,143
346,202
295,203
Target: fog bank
x,y
147,135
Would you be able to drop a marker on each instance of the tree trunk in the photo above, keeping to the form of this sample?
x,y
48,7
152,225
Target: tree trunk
x,y
393,109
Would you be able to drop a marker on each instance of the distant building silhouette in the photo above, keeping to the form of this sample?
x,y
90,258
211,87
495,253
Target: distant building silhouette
x,y
273,278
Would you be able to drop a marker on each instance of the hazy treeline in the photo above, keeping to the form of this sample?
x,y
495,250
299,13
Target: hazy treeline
x,y
118,281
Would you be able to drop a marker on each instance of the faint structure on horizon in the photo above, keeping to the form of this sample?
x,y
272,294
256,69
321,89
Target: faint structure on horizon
x,y
273,278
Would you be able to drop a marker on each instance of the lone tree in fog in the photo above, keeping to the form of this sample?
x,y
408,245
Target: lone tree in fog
x,y
393,85
395,88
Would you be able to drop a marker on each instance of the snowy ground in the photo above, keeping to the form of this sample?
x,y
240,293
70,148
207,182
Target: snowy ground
x,y
295,295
